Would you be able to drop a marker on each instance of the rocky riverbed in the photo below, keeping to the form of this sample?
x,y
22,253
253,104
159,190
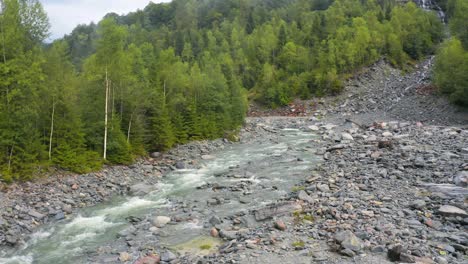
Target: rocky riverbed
x,y
376,175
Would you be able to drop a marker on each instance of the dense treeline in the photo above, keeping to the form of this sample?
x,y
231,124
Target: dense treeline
x,y
180,71
452,59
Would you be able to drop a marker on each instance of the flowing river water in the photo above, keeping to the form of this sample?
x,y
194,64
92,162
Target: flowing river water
x,y
265,170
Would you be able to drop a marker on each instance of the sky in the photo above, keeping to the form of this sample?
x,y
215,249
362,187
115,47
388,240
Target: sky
x,y
65,15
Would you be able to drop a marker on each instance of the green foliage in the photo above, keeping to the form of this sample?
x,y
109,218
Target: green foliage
x,y
183,70
451,67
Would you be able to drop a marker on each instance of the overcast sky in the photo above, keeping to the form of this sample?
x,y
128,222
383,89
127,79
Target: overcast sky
x,y
64,15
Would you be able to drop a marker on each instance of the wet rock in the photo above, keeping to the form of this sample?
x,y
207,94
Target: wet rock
x,y
180,165
448,210
280,225
141,189
59,216
160,221
168,256
12,240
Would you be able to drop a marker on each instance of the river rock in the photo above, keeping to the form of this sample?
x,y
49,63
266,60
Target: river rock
x,y
348,240
418,204
347,136
155,155
302,195
36,214
180,165
461,179
140,189
448,210
124,257
323,187
229,235
215,220
276,209
168,256
280,225
152,259
161,221
214,232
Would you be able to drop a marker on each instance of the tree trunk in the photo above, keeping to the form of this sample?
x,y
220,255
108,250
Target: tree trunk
x,y
106,117
129,128
51,130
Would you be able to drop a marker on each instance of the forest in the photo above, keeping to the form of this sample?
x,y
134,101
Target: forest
x,y
185,70
451,68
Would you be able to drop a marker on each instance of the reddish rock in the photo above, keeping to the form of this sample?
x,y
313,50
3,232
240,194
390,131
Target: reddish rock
x,y
214,232
152,259
75,186
280,225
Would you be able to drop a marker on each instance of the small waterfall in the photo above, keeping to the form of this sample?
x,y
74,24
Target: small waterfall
x,y
431,5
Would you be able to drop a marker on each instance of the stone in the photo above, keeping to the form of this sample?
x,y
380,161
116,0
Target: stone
x,y
387,134
155,155
314,128
418,204
12,240
161,221
407,258
215,220
367,213
461,179
59,216
348,252
302,195
124,257
180,165
168,256
152,259
347,136
214,232
394,253
448,210
36,215
75,186
141,189
229,235
348,240
280,225
323,187
276,209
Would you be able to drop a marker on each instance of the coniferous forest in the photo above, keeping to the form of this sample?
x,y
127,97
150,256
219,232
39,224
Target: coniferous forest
x,y
185,70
